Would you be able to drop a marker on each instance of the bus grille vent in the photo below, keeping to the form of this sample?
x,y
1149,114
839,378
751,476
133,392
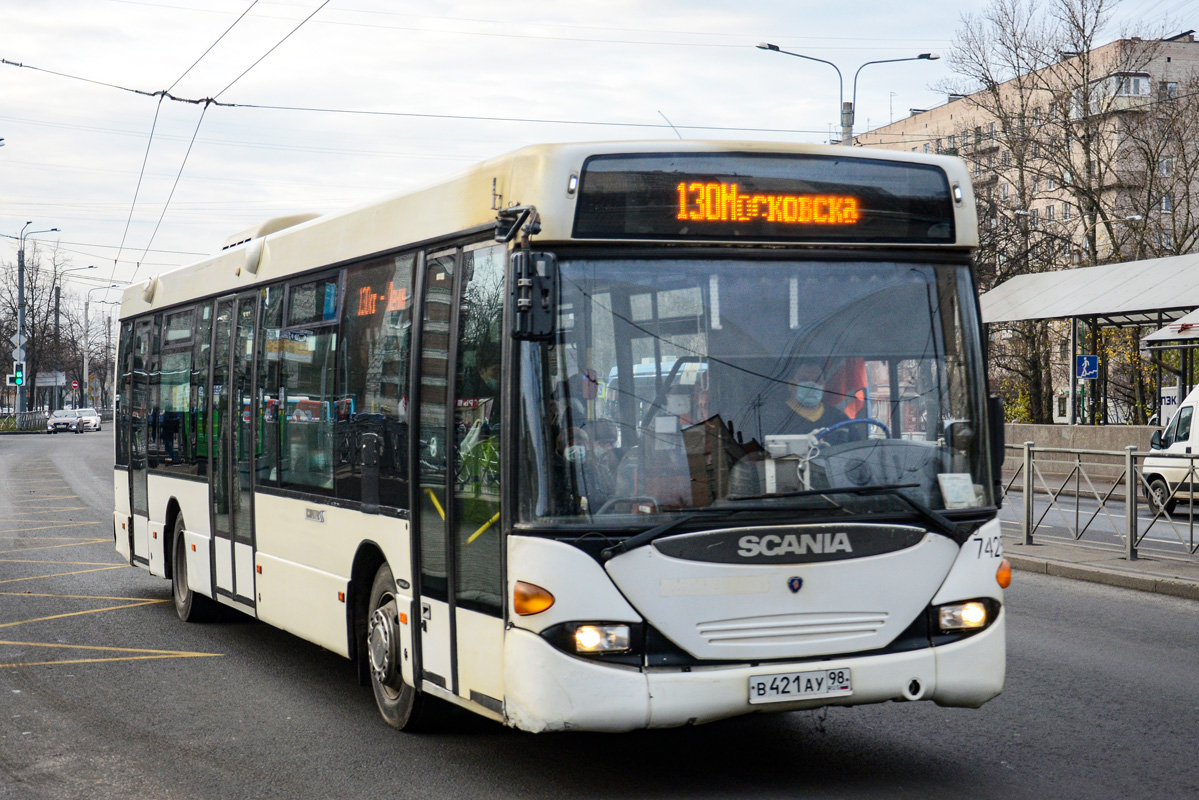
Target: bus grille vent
x,y
780,629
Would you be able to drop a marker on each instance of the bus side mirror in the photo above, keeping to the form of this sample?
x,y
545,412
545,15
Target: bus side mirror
x,y
1155,441
534,295
998,440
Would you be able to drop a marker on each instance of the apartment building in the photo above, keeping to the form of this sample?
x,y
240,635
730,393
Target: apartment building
x,y
1097,153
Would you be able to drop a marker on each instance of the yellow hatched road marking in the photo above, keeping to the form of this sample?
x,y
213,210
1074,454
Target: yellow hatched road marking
x,y
60,563
76,596
65,524
63,574
51,538
54,508
134,654
41,498
81,613
51,546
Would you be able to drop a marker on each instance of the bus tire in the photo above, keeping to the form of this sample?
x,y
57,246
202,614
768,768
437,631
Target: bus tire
x,y
190,606
401,705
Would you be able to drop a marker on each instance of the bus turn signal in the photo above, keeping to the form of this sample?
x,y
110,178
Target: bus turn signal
x,y
529,598
1003,575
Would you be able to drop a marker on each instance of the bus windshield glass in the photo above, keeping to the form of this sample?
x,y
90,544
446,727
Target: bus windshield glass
x,y
680,384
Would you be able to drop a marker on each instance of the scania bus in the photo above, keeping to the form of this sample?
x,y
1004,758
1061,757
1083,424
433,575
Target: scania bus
x,y
389,431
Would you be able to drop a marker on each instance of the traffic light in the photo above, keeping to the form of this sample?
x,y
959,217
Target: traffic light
x,y
18,373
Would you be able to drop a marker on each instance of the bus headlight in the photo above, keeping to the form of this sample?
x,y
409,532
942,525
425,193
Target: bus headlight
x,y
963,616
602,639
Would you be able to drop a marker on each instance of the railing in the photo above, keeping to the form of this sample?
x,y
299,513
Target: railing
x,y
36,420
1071,478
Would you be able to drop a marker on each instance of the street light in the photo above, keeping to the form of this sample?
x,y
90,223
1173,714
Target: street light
x,y
87,387
847,109
21,305
54,403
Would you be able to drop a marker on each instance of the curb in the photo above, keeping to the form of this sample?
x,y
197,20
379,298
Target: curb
x,y
1174,587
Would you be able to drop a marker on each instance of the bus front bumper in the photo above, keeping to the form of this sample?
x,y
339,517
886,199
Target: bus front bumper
x,y
548,690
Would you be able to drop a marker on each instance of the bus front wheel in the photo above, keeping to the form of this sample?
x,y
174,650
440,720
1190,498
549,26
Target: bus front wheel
x,y
401,705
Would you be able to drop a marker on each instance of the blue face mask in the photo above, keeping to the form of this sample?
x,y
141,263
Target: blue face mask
x,y
576,454
809,394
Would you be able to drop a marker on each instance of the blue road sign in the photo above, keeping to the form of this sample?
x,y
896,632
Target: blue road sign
x,y
1086,367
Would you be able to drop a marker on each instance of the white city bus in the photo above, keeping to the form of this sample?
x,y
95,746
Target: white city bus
x,y
528,441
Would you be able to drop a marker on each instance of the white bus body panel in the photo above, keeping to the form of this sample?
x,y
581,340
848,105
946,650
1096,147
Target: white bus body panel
x,y
199,561
303,601
435,639
155,546
973,573
141,536
749,612
306,551
587,696
582,590
244,565
120,532
224,563
480,661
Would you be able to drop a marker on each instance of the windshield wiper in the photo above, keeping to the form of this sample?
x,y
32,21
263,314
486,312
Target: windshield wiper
x,y
938,521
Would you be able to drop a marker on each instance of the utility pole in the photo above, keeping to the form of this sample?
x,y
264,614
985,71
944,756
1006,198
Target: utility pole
x,y
57,348
21,397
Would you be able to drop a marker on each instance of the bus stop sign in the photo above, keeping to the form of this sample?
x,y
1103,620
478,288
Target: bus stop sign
x,y
1087,367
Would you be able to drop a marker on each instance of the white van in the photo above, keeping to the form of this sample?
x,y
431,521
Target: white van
x,y
1174,479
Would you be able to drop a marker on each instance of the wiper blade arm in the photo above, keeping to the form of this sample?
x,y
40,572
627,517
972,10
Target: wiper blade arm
x,y
941,523
647,536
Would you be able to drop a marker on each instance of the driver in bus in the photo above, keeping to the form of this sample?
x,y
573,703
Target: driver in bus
x,y
805,409
586,483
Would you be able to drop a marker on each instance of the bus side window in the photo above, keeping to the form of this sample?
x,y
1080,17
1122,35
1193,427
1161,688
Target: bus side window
x,y
371,438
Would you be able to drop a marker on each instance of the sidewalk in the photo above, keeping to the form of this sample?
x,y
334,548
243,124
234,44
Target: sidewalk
x,y
1178,577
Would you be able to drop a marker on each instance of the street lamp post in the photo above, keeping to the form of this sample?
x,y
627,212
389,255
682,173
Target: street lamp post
x,y
847,109
21,303
87,386
57,399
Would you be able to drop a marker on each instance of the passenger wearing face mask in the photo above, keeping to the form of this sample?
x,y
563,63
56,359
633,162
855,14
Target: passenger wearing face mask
x,y
806,410
586,481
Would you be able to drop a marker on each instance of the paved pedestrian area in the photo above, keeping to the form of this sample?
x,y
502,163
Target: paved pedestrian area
x,y
1150,572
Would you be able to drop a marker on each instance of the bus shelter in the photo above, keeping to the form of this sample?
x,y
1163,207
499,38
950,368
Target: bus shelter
x,y
1151,293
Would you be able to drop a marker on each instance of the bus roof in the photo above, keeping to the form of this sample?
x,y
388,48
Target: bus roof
x,y
544,176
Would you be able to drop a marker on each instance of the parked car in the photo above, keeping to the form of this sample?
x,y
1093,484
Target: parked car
x,y
89,420
1173,479
65,419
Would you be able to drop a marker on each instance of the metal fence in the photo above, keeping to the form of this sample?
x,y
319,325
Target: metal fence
x,y
1069,479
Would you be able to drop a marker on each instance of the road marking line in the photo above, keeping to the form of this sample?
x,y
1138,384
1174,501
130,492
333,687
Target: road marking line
x,y
67,524
143,655
56,508
56,546
75,596
81,613
62,563
49,497
104,660
63,574
50,538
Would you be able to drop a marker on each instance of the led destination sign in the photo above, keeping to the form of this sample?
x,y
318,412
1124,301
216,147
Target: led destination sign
x,y
769,197
723,202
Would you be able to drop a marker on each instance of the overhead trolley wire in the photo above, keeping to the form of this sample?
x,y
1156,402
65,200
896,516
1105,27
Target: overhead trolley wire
x,y
154,126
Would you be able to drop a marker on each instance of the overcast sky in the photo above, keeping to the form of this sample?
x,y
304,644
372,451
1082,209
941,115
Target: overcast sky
x,y
448,82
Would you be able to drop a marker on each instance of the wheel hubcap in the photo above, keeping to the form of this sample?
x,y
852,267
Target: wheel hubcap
x,y
381,643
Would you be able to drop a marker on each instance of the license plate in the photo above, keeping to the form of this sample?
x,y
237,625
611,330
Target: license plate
x,y
785,686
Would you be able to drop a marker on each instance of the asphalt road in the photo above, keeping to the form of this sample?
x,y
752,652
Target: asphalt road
x,y
105,694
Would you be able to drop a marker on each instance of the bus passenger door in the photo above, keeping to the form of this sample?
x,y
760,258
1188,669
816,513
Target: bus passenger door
x,y
432,459
140,410
231,450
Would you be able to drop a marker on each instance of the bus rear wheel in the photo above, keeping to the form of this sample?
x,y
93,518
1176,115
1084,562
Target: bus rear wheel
x,y
400,704
190,606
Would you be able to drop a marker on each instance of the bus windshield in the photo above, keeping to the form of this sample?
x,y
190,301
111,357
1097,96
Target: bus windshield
x,y
676,384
